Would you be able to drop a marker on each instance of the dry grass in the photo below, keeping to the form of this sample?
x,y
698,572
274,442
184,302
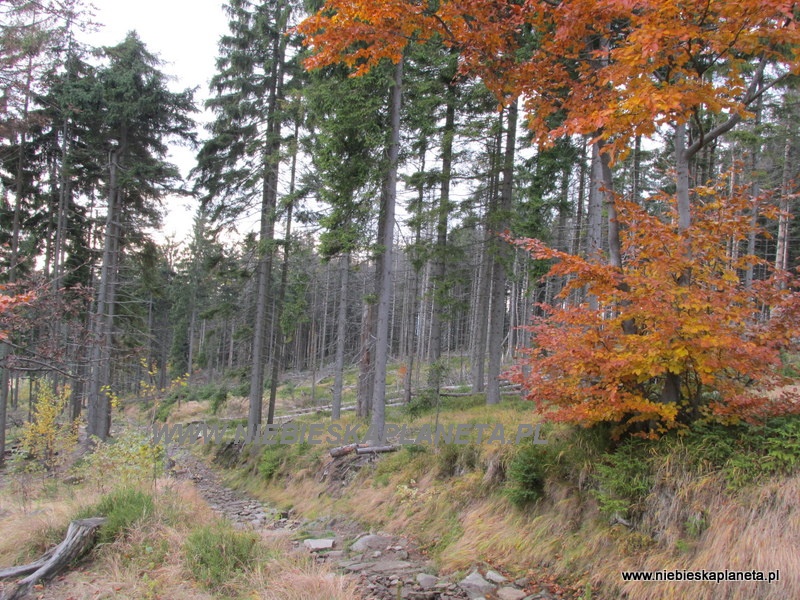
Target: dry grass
x,y
690,522
148,562
759,531
188,411
235,407
35,518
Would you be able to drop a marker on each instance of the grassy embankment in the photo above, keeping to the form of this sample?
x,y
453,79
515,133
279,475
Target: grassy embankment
x,y
579,509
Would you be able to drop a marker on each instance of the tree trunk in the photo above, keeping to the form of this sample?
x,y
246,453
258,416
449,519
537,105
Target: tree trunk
x,y
484,283
782,249
341,333
98,417
269,196
277,355
385,277
79,539
440,253
366,375
498,308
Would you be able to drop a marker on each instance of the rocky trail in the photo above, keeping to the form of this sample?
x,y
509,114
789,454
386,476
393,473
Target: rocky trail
x,y
388,567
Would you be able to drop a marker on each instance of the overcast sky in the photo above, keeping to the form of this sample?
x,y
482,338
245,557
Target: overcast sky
x,y
184,34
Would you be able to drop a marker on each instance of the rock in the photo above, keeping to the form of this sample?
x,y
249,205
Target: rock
x,y
543,595
371,542
356,566
377,554
522,582
509,593
476,586
317,545
386,566
426,581
495,577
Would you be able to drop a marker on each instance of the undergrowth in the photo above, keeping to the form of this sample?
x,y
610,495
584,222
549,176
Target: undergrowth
x,y
215,554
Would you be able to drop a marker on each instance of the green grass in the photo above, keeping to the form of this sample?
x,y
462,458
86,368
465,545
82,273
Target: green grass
x,y
122,508
215,554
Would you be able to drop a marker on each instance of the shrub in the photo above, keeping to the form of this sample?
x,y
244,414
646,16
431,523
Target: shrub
x,y
215,554
46,438
122,509
624,479
526,474
218,399
131,458
271,460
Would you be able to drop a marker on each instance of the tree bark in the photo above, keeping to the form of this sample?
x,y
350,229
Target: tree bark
x,y
341,334
277,355
484,284
98,417
440,254
498,307
387,242
271,166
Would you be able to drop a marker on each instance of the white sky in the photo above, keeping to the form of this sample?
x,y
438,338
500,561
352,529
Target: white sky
x,y
184,34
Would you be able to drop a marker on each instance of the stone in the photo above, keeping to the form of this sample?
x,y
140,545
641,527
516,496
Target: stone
x,y
495,577
476,586
509,593
317,545
426,581
387,566
371,542
355,567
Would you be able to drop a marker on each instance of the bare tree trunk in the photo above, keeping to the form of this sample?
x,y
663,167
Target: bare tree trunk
x,y
498,308
484,283
99,406
277,355
438,266
755,191
341,334
385,276
366,376
782,249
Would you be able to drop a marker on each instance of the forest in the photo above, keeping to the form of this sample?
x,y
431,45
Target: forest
x,y
598,197
577,214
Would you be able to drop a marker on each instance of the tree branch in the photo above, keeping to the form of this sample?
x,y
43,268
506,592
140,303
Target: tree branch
x,y
753,91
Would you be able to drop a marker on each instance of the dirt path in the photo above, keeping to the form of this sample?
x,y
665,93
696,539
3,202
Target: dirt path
x,y
388,567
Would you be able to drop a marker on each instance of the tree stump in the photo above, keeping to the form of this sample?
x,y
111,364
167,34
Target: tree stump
x,y
79,539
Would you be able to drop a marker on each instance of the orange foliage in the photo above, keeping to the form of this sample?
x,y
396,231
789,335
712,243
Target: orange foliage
x,y
7,305
719,337
620,67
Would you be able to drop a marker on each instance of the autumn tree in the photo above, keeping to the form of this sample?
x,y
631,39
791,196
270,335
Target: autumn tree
x,y
613,71
713,334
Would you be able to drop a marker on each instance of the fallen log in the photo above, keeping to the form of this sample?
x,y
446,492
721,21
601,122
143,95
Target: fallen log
x,y
342,450
79,539
375,450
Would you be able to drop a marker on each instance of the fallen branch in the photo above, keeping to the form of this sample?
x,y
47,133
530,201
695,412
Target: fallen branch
x,y
79,539
375,450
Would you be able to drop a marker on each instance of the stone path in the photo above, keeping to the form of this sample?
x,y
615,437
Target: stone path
x,y
388,567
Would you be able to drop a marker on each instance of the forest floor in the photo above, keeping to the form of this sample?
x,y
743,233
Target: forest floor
x,y
496,521
386,566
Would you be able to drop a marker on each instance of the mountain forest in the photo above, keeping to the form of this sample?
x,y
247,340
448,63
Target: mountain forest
x,y
581,209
